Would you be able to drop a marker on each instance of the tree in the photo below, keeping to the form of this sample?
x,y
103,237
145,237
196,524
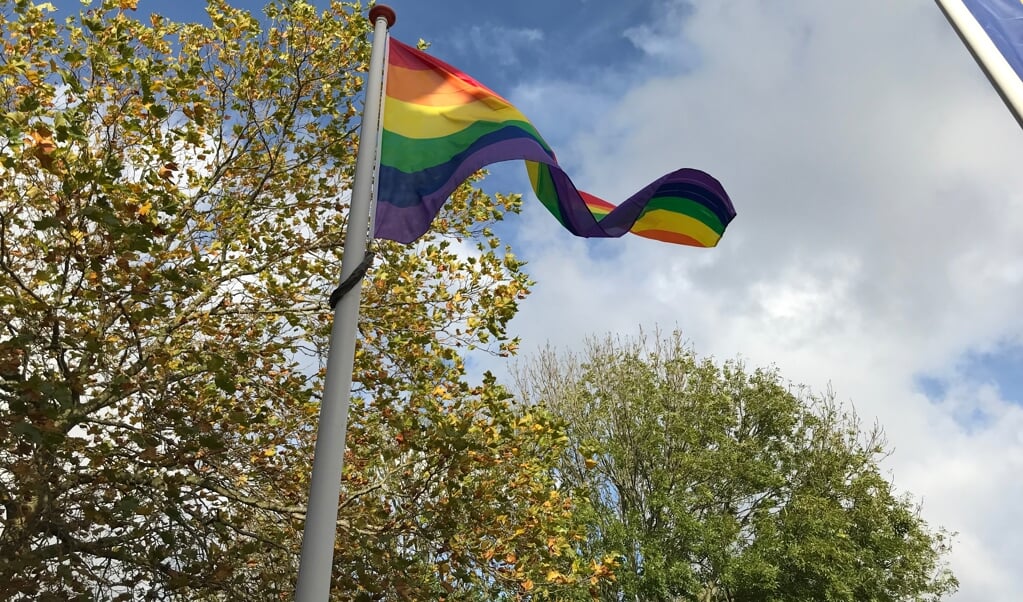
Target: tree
x,y
172,208
718,483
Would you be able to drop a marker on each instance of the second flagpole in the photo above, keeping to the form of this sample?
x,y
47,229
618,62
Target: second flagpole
x,y
315,566
999,72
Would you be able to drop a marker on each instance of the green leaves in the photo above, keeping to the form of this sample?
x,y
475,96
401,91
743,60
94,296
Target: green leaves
x,y
718,483
225,382
29,431
171,222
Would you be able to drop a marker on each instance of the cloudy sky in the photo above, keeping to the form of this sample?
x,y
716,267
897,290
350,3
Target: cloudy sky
x,y
879,243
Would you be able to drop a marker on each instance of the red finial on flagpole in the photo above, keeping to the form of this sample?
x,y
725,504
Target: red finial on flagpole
x,y
382,10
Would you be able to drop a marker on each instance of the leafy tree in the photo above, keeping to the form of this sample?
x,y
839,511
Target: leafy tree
x,y
172,208
717,483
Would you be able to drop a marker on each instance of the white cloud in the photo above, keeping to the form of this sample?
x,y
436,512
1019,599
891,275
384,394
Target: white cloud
x,y
880,197
500,44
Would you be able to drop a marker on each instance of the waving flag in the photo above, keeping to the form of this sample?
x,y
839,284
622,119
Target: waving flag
x,y
993,32
440,126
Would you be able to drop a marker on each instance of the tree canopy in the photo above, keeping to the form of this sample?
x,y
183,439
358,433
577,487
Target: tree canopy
x,y
718,483
172,208
172,213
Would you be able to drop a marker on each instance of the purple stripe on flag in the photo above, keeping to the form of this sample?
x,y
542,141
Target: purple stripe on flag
x,y
405,224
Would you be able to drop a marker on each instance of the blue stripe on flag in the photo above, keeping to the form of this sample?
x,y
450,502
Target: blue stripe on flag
x,y
1003,22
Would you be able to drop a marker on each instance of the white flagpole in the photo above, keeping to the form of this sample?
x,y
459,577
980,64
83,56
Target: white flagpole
x,y
315,568
998,70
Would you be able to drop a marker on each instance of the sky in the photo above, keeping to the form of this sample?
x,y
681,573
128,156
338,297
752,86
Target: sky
x,y
878,248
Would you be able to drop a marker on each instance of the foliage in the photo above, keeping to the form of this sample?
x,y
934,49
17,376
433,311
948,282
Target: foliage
x,y
171,214
717,483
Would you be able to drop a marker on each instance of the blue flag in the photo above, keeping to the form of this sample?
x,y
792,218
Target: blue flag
x,y
1002,20
993,32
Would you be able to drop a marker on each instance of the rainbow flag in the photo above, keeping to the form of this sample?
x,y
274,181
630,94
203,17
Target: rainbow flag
x,y
440,126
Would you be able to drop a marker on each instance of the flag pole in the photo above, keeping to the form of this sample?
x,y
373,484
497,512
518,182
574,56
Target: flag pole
x,y
315,566
998,70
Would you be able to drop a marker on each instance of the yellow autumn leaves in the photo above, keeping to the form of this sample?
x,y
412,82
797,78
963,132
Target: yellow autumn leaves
x,y
42,146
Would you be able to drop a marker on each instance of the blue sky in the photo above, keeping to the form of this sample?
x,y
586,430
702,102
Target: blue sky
x,y
513,45
878,246
1001,367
